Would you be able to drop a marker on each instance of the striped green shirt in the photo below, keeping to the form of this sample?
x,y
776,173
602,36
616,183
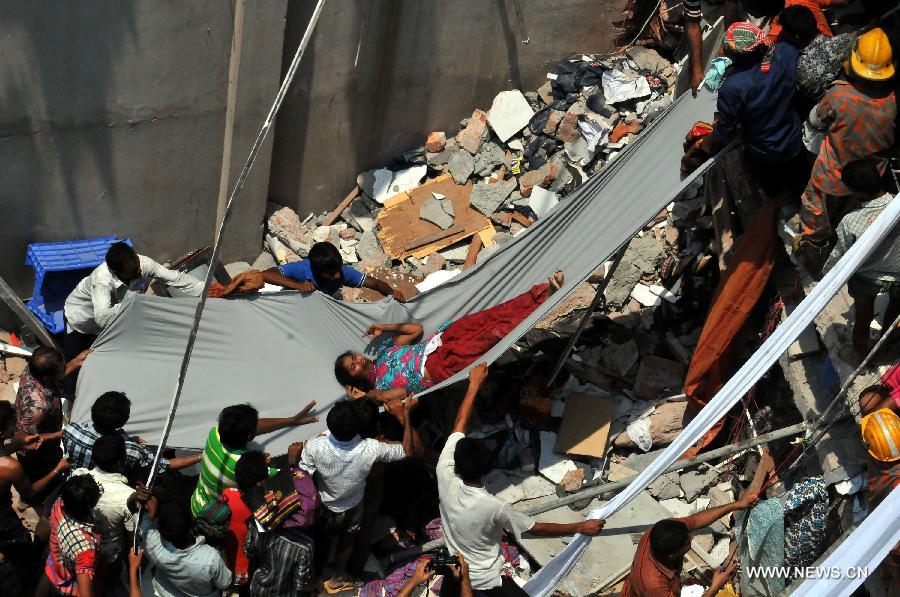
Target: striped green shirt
x,y
216,471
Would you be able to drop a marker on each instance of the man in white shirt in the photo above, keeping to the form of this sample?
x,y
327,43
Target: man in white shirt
x,y
474,520
112,518
341,461
98,298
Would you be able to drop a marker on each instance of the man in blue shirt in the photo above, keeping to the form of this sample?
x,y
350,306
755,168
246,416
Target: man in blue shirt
x,y
756,102
325,270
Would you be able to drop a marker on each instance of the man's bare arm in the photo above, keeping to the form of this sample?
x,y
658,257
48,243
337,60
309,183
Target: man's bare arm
x,y
274,276
477,375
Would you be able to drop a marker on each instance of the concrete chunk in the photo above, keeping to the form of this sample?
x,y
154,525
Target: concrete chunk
x,y
436,141
433,211
461,166
509,114
471,137
488,197
656,374
488,158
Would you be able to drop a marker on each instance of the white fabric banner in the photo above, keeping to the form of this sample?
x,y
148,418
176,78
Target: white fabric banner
x,y
860,553
547,578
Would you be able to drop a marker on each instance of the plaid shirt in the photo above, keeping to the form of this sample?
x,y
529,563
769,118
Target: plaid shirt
x,y
78,440
285,561
883,265
73,551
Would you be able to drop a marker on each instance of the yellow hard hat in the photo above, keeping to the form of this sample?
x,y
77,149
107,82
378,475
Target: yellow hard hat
x,y
881,435
871,57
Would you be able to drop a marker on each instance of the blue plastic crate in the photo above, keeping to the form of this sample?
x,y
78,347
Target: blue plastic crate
x,y
58,268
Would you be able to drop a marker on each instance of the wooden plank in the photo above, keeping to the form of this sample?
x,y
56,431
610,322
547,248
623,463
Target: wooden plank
x,y
522,219
399,224
334,215
434,237
474,248
487,236
25,316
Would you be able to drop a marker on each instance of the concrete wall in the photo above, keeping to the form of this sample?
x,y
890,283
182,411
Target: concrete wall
x,y
380,74
112,122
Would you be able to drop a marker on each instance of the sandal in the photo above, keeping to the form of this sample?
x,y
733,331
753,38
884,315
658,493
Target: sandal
x,y
333,587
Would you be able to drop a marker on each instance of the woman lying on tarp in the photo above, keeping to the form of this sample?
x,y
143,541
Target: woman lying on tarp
x,y
409,363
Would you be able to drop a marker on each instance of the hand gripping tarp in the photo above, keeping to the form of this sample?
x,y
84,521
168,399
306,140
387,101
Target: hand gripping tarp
x,y
756,366
863,550
277,351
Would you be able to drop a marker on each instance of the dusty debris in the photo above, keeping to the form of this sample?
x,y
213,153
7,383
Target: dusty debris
x,y
656,374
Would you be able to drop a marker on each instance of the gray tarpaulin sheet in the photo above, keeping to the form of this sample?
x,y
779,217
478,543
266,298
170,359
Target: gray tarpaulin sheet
x,y
277,351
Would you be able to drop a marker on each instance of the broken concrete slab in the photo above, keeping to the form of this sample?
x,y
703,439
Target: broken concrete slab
x,y
405,180
285,225
509,114
471,137
376,183
541,177
665,487
640,258
681,353
488,158
609,554
542,201
348,250
488,197
439,160
647,59
656,374
620,358
359,215
281,252
619,472
434,211
263,262
456,254
236,267
695,482
642,294
368,246
461,165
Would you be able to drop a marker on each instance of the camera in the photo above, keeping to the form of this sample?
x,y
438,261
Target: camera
x,y
441,561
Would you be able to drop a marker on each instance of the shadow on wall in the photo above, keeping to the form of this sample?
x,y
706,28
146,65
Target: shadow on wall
x,y
380,74
59,86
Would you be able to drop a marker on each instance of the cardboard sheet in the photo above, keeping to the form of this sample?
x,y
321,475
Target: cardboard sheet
x,y
585,425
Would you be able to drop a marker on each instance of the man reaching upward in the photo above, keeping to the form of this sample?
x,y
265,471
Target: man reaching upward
x,y
473,519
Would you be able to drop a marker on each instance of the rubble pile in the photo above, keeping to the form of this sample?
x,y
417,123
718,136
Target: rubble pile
x,y
618,400
522,155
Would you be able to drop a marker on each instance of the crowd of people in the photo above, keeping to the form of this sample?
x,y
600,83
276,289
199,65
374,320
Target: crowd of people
x,y
816,117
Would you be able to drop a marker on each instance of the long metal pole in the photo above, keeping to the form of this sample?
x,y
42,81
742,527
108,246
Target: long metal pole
x,y
226,216
609,487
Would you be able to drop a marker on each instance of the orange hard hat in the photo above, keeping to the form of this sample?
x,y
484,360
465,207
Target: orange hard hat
x,y
871,57
881,435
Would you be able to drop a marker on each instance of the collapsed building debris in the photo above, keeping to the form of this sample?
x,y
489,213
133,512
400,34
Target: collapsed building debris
x,y
511,163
